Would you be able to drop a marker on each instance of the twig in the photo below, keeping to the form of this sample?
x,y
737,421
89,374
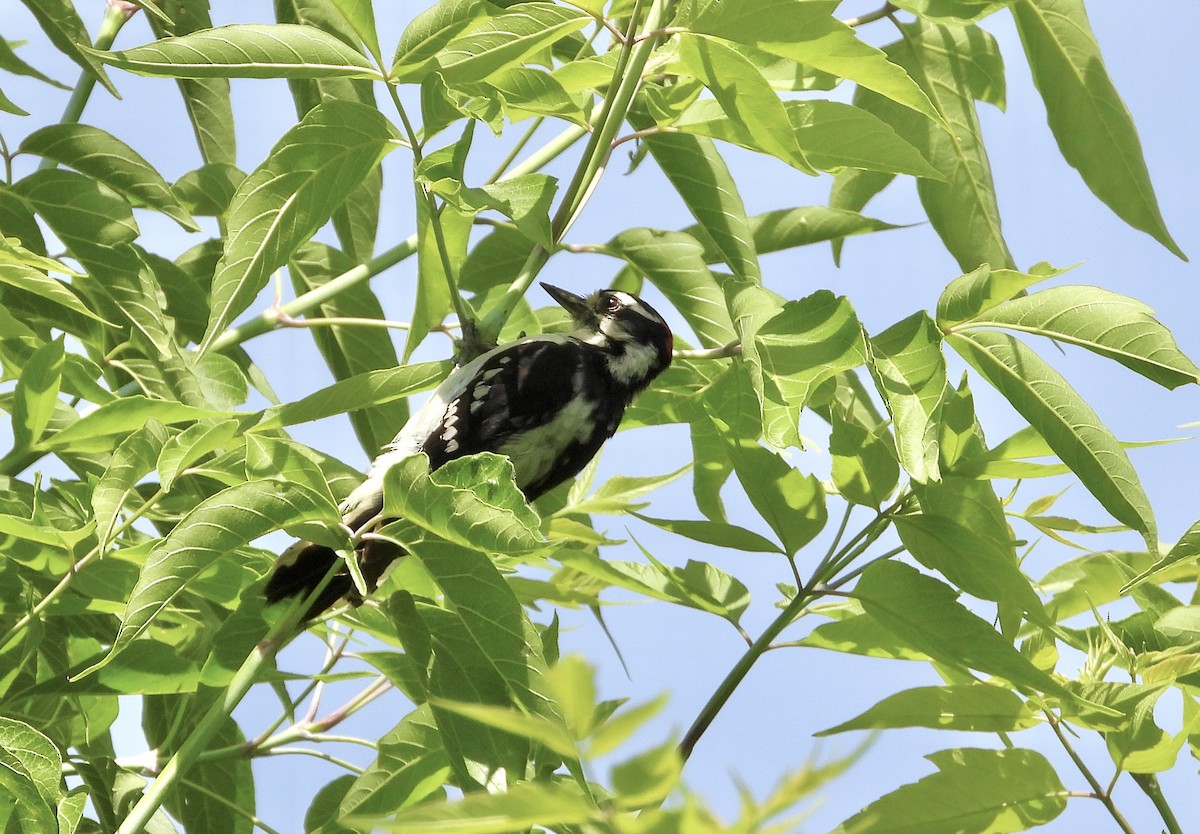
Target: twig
x,y
734,348
1097,789
886,11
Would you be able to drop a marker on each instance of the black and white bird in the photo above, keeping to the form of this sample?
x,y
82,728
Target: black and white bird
x,y
548,402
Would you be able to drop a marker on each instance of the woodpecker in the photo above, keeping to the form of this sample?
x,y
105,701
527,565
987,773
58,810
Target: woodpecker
x,y
548,402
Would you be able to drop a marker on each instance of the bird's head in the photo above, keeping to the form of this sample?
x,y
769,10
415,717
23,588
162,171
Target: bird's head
x,y
636,336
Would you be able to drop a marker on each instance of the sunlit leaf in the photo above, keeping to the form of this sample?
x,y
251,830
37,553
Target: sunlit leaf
x,y
992,791
1090,121
1068,424
248,50
974,708
308,174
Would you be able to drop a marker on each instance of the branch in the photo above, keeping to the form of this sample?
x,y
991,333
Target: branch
x,y
886,11
734,348
1097,790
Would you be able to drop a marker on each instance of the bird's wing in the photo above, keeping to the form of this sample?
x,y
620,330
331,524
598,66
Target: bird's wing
x,y
519,387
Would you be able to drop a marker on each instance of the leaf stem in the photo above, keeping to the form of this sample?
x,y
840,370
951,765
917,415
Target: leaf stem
x,y
886,10
461,309
231,805
1097,788
269,319
1148,782
114,18
64,583
733,679
627,77
515,151
192,748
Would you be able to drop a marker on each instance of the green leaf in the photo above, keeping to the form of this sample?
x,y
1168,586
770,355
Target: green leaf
x,y
132,461
29,754
696,585
806,343
10,62
94,431
433,300
1185,550
249,50
550,734
978,564
830,135
697,171
230,519
525,92
953,11
103,156
716,533
411,766
744,96
349,351
36,393
208,190
13,253
985,791
620,494
647,779
525,200
859,633
470,501
924,613
1111,325
1094,129
506,40
864,466
522,806
909,370
92,220
207,99
980,708
675,263
359,391
308,174
428,33
1070,427
63,26
983,290
793,504
952,65
192,444
361,17
806,32
775,231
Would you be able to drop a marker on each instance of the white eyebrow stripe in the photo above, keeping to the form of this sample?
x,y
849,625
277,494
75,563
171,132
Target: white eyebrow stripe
x,y
632,303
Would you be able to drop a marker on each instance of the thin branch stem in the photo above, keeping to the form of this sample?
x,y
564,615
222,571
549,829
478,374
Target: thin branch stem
x,y
627,77
231,805
114,19
1148,782
737,674
734,348
64,583
887,10
212,721
1097,788
516,150
465,314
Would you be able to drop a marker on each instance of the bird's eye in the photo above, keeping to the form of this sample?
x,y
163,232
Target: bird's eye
x,y
612,304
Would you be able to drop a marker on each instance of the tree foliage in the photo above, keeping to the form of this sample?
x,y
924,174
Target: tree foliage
x,y
142,477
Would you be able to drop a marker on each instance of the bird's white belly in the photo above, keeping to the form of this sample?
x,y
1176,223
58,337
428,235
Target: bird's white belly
x,y
534,452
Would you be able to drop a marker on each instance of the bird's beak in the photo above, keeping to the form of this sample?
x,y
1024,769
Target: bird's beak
x,y
574,304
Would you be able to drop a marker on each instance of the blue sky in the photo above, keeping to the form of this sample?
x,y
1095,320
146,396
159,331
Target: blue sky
x,y
1048,215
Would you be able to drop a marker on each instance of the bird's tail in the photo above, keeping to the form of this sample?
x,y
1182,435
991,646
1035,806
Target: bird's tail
x,y
304,565
301,569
